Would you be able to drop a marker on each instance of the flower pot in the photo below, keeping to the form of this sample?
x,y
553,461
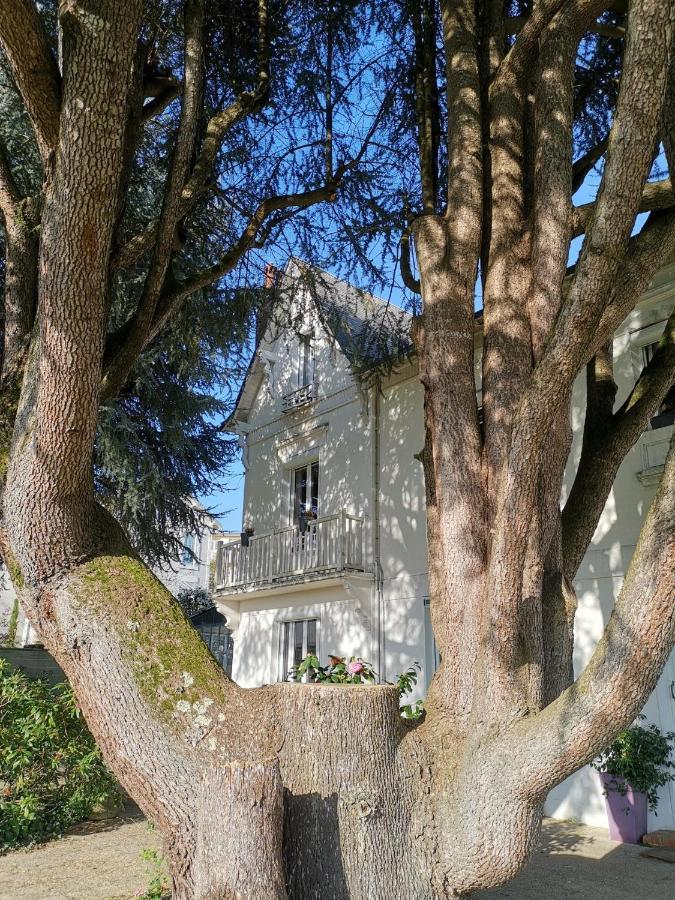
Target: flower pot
x,y
626,812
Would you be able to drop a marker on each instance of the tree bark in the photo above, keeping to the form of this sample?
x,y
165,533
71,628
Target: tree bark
x,y
309,791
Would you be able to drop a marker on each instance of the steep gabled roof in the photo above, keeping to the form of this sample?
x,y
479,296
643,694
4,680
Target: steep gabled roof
x,y
367,330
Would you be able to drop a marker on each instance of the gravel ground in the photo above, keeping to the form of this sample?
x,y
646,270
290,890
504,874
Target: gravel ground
x,y
94,861
102,861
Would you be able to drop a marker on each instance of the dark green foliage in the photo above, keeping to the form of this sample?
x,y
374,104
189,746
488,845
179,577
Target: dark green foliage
x,y
52,774
641,756
194,600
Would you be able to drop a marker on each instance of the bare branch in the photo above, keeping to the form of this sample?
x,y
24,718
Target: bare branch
x,y
585,163
34,69
218,127
646,253
245,104
412,283
426,101
161,100
607,440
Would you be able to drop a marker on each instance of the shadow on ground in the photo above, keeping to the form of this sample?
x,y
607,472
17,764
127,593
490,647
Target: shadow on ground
x,y
577,861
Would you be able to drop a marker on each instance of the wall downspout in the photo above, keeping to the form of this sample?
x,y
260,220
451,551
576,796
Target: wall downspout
x,y
379,661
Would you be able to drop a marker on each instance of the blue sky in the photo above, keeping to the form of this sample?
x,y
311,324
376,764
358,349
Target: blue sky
x,y
227,502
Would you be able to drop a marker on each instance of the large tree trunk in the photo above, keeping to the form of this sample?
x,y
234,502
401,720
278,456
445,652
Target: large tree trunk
x,y
311,791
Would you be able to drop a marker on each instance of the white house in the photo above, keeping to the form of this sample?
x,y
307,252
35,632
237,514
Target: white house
x,y
335,561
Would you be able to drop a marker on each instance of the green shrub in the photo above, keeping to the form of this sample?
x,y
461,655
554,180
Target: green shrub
x,y
641,756
52,774
357,671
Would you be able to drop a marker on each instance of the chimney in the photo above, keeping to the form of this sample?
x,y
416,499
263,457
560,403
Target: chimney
x,y
270,274
270,278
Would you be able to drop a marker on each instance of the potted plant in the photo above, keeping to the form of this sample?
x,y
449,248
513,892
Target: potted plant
x,y
632,769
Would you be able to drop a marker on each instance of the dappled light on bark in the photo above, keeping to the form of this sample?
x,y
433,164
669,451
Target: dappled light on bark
x,y
308,791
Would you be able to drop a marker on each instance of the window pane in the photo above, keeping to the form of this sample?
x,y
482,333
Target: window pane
x,y
311,636
285,667
315,488
297,643
299,492
305,361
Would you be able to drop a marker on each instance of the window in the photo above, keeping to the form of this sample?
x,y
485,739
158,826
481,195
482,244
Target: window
x,y
305,491
190,544
298,639
306,362
666,412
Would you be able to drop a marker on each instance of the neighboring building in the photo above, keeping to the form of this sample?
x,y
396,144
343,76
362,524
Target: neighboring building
x,y
334,501
194,568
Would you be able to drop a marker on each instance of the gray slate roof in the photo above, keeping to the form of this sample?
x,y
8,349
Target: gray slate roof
x,y
367,329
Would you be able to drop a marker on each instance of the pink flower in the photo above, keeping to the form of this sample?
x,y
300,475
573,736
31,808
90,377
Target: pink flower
x,y
355,667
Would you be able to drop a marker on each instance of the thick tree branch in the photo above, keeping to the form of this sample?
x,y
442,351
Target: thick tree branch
x,y
629,156
607,440
118,364
409,280
9,193
447,249
515,24
625,665
524,50
655,195
34,69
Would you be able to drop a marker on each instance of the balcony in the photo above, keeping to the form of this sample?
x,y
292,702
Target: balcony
x,y
330,545
296,399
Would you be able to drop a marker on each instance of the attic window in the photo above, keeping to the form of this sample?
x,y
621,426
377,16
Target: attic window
x,y
306,361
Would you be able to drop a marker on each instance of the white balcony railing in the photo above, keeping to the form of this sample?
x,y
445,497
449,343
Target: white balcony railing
x,y
301,397
330,544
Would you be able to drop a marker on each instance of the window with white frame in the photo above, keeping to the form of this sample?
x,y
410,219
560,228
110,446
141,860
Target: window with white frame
x,y
298,639
305,492
190,544
306,361
666,412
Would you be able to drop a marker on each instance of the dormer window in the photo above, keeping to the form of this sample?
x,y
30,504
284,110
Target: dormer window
x,y
306,361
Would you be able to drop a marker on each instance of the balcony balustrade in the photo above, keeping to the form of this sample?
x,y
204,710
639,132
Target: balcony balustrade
x,y
329,545
301,397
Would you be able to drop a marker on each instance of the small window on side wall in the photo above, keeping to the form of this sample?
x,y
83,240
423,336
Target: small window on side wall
x,y
666,412
299,638
306,361
190,544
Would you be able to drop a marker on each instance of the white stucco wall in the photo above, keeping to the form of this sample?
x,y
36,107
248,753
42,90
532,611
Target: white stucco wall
x,y
338,429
